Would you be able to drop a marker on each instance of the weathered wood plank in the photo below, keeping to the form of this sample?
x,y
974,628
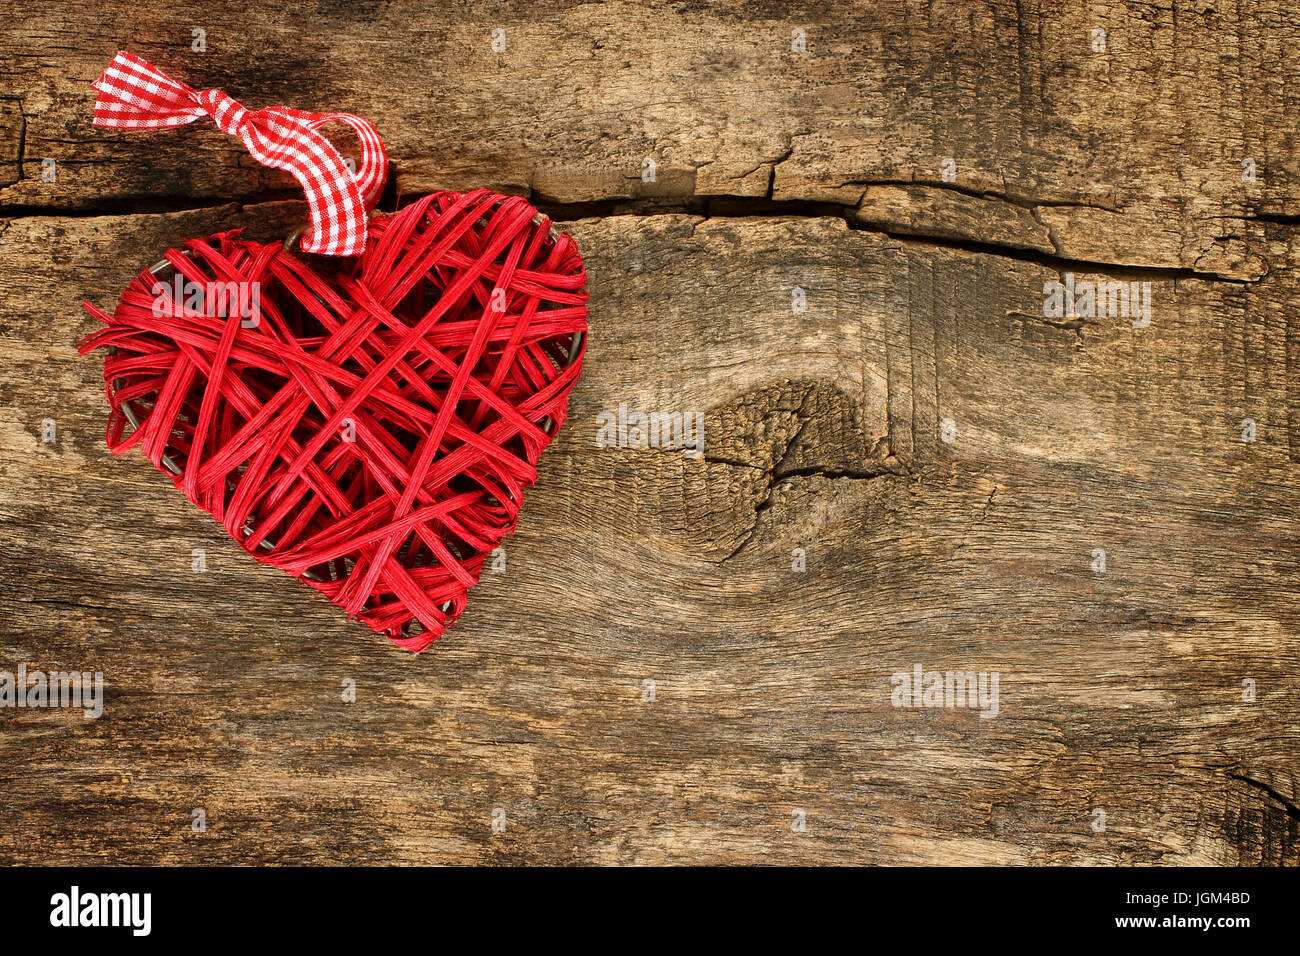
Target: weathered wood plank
x,y
1127,152
1119,690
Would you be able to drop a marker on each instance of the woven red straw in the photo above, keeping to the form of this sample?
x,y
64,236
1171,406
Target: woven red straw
x,y
373,434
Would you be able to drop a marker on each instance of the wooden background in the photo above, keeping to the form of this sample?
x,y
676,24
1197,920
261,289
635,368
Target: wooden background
x,y
1120,691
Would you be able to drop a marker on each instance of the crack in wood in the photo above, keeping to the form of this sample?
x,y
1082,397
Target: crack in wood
x,y
1288,806
716,207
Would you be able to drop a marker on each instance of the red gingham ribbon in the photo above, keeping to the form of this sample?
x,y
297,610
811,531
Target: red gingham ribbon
x,y
135,94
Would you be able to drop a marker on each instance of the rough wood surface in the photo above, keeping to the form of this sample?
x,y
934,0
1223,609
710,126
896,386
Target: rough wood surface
x,y
1120,690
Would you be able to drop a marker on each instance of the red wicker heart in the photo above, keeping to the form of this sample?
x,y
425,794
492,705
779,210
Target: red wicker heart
x,y
369,425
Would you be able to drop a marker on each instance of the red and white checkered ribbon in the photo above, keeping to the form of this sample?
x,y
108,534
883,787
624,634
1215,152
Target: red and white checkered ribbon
x,y
135,94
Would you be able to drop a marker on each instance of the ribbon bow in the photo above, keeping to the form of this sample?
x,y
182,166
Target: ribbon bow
x,y
135,94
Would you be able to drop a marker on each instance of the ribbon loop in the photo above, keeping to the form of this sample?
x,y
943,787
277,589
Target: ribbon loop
x,y
135,94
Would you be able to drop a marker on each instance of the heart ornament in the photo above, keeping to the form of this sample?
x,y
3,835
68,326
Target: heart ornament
x,y
367,419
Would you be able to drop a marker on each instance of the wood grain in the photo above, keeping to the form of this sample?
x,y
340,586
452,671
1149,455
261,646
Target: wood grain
x,y
1120,690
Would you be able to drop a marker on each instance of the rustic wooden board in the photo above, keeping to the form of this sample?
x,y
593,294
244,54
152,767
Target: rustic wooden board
x,y
1120,690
